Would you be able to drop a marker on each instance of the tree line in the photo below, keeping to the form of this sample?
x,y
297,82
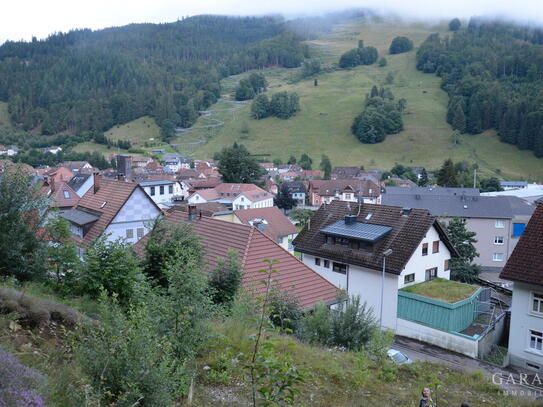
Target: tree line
x,y
493,74
92,80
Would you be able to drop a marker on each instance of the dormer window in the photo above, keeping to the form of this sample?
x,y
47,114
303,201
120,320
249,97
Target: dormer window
x,y
66,194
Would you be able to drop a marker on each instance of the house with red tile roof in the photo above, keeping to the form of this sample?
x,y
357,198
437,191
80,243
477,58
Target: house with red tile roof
x,y
62,196
238,196
253,247
271,221
59,174
525,269
117,209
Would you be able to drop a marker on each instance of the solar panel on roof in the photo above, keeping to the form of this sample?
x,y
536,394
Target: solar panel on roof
x,y
358,230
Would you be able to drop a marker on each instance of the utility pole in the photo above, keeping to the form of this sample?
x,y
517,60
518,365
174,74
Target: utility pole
x,y
386,253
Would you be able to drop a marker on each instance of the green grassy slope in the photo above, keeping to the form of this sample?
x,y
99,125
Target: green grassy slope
x,y
323,124
143,133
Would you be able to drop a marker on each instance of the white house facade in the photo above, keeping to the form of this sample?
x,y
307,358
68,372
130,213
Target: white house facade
x,y
526,338
349,252
134,220
163,192
525,269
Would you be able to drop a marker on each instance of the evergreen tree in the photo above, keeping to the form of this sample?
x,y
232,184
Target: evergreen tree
x,y
284,200
291,160
447,175
454,24
350,59
459,120
374,92
236,165
423,181
305,162
400,44
260,108
244,90
326,166
258,83
464,243
490,184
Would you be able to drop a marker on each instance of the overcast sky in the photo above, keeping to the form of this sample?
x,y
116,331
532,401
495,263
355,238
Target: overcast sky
x,y
22,19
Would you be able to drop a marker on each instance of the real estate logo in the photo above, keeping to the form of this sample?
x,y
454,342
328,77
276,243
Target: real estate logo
x,y
532,385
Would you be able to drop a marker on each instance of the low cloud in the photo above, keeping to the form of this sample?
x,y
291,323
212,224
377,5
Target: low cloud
x,y
24,19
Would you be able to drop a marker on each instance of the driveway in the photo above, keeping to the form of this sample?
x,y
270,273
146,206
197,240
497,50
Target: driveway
x,y
416,350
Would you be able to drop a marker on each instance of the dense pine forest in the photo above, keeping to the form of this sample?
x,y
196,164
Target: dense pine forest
x,y
493,73
87,80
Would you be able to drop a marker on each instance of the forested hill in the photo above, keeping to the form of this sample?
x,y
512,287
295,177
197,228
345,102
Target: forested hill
x,y
493,73
92,80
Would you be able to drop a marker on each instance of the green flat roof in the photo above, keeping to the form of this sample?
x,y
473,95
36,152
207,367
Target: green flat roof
x,y
442,289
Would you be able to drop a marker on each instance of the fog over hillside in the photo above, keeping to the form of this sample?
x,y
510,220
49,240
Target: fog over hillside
x,y
22,20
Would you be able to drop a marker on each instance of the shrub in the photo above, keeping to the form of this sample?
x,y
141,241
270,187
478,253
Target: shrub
x,y
382,62
353,326
350,327
225,280
315,327
285,312
19,384
111,266
126,359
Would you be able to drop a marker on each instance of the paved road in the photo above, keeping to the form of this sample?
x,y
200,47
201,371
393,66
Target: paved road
x,y
416,350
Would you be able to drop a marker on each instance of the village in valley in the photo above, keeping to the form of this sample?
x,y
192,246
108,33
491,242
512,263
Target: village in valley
x,y
328,210
343,233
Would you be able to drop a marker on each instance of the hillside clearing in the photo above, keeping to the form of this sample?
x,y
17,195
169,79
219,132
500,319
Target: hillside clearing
x,y
323,124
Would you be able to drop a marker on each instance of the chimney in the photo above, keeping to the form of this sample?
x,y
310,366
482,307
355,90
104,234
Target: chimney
x,y
52,185
121,177
192,211
350,219
96,181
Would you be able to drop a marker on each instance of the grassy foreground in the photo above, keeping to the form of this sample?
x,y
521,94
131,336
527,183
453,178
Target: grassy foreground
x,y
327,111
332,377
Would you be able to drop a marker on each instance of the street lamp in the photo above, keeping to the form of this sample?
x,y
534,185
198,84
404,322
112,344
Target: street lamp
x,y
386,253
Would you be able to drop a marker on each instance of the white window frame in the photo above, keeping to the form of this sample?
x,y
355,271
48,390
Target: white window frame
x,y
496,255
129,233
500,224
497,240
140,232
537,337
537,302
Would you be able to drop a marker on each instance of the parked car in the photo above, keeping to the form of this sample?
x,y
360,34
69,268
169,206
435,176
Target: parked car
x,y
398,357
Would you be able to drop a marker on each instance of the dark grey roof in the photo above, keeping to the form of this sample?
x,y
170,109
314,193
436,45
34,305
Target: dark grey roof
x,y
78,180
519,206
80,217
358,230
493,207
520,184
155,182
293,187
432,191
